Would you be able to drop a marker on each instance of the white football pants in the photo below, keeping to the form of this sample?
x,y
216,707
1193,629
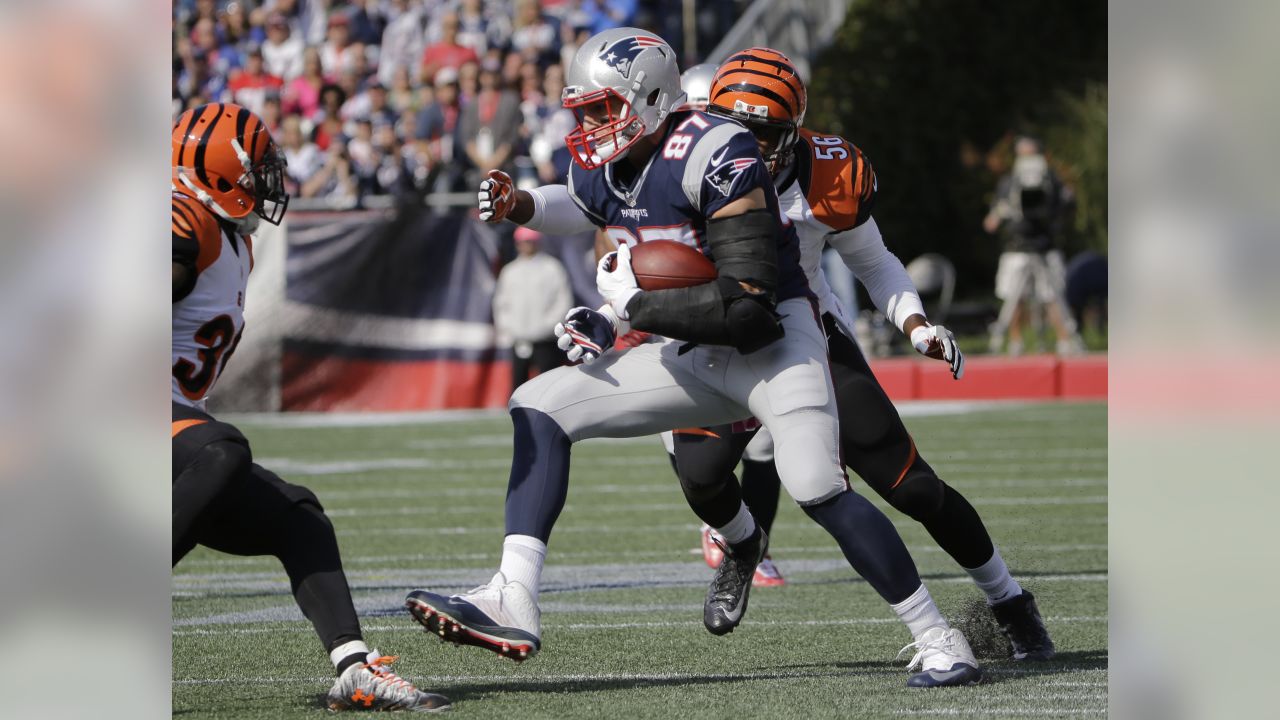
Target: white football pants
x,y
650,388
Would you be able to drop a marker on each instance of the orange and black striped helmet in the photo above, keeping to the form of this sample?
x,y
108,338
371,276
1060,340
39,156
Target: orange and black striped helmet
x,y
223,156
761,89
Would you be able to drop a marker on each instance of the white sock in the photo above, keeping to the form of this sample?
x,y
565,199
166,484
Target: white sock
x,y
740,527
919,612
993,578
522,558
346,650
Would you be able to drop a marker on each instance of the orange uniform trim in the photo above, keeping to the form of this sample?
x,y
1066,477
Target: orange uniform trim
x,y
180,425
193,220
841,180
911,459
695,431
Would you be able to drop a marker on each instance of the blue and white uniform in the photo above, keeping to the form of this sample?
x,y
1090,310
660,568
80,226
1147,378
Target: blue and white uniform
x,y
702,164
705,163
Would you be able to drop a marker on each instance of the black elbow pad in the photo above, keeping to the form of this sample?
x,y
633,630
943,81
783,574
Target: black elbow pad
x,y
751,325
749,319
745,247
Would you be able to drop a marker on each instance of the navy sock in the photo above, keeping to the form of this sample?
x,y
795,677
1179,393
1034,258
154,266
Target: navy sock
x,y
870,543
539,480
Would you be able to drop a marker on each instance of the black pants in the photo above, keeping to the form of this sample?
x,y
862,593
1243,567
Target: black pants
x,y
545,356
875,445
225,501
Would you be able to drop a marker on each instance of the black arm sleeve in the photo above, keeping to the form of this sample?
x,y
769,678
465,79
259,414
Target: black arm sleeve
x,y
185,252
745,248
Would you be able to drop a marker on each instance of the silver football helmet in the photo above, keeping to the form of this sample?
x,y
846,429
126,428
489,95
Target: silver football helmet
x,y
621,85
696,83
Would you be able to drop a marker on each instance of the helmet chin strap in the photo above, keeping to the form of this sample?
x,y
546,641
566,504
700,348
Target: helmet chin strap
x,y
247,224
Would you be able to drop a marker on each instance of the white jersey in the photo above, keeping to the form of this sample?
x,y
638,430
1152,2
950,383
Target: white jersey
x,y
207,320
827,193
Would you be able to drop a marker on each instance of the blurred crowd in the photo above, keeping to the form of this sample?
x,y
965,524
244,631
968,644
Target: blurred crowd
x,y
372,97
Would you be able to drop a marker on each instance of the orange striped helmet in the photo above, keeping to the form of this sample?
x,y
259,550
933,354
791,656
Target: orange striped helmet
x,y
223,156
761,89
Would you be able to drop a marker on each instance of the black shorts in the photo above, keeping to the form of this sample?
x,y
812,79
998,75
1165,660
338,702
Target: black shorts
x,y
240,522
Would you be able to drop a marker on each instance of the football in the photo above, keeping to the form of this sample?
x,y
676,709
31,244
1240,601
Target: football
x,y
665,264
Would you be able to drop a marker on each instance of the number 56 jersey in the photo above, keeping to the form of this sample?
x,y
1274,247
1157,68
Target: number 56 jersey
x,y
702,164
208,314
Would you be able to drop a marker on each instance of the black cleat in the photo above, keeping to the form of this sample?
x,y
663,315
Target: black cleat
x,y
1020,621
726,601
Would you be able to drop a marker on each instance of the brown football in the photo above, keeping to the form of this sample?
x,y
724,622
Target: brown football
x,y
665,264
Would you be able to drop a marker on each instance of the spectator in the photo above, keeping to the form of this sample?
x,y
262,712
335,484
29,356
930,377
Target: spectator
x,y
403,43
534,31
222,58
302,94
403,97
271,112
532,295
364,157
468,82
379,111
1029,209
334,182
447,52
328,131
391,174
282,51
366,27
490,125
332,98
338,51
250,85
479,29
303,158
197,79
236,31
546,146
437,127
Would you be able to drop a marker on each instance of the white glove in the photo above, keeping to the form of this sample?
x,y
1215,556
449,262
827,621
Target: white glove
x,y
497,196
616,281
586,334
937,342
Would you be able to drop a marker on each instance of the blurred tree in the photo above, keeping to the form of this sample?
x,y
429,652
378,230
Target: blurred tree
x,y
928,88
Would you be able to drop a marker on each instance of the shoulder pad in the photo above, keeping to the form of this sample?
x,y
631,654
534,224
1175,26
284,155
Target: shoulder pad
x,y
196,227
840,184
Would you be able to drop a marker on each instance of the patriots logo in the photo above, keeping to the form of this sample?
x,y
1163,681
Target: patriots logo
x,y
622,53
726,174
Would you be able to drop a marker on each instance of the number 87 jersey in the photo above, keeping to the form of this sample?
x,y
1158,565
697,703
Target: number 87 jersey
x,y
701,164
208,312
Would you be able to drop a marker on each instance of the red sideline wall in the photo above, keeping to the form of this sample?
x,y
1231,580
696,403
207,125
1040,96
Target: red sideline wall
x,y
1043,377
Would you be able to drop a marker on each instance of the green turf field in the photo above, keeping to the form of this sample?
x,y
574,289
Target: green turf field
x,y
420,505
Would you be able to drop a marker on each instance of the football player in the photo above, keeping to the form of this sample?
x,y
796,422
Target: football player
x,y
827,189
748,344
759,475
228,176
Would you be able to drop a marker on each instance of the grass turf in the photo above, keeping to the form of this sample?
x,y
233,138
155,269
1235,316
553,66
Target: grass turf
x,y
420,505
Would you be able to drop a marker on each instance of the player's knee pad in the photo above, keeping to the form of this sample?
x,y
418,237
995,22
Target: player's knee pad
x,y
920,495
209,474
704,465
866,424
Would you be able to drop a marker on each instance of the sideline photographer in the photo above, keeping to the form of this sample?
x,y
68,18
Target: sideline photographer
x,y
1028,210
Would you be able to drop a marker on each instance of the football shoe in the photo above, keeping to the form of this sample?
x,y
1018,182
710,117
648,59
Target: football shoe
x,y
371,686
499,616
944,658
1020,621
730,588
711,552
767,574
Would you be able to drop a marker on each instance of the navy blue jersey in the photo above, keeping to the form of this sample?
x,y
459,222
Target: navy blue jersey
x,y
704,163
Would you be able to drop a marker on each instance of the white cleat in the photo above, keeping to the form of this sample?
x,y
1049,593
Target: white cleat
x,y
944,658
499,616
